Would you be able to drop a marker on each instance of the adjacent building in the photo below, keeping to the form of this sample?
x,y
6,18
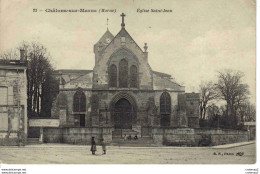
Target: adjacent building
x,y
13,101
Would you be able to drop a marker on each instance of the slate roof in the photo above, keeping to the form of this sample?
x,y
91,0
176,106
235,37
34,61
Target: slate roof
x,y
162,74
106,35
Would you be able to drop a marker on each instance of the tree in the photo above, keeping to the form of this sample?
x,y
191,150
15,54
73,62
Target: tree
x,y
230,87
207,94
213,110
247,112
41,83
9,55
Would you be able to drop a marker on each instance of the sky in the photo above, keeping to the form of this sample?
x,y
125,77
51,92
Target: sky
x,y
191,43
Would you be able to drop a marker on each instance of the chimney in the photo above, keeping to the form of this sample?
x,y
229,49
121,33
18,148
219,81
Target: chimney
x,y
22,55
61,85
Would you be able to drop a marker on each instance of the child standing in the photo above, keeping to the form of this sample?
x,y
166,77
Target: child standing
x,y
93,146
103,144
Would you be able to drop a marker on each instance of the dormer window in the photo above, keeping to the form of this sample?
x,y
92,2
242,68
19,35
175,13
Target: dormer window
x,y
122,40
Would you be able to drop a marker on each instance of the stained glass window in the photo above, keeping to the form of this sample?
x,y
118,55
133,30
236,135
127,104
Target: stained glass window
x,y
113,76
165,109
165,103
79,101
133,77
123,74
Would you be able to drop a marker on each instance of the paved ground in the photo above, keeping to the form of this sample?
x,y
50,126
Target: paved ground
x,y
76,154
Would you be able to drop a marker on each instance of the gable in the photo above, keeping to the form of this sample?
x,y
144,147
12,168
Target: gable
x,y
121,47
129,39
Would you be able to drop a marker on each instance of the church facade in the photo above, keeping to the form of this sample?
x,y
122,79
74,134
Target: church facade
x,y
122,95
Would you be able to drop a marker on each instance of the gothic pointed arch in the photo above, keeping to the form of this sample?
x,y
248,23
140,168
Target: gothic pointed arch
x,y
79,101
113,75
165,108
125,95
123,107
165,103
123,51
123,73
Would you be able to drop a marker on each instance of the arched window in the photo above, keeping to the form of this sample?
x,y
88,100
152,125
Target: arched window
x,y
165,103
113,76
133,77
123,74
79,101
165,109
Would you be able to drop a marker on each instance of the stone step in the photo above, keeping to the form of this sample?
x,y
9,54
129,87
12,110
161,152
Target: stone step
x,y
32,140
132,141
123,132
141,142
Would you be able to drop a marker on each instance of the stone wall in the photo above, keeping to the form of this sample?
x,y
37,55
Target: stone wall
x,y
160,136
221,136
76,135
193,137
174,136
53,135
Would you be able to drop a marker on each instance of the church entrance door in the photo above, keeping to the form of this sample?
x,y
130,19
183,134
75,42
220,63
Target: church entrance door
x,y
123,114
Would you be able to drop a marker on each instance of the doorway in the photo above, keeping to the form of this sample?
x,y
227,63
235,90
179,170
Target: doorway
x,y
123,114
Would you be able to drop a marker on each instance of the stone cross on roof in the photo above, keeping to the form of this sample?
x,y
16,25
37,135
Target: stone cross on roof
x,y
123,22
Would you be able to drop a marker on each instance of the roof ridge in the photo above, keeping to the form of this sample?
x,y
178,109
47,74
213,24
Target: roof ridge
x,y
101,38
118,34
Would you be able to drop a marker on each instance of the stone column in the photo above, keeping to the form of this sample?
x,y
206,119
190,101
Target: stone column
x,y
41,135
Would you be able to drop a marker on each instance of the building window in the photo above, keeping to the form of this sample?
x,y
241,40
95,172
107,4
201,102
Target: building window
x,y
113,76
165,109
123,74
79,101
133,77
3,121
165,103
3,96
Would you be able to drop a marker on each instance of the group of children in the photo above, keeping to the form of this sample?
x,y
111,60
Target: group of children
x,y
94,147
130,137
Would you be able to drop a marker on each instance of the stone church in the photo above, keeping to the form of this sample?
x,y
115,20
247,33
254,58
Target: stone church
x,y
122,95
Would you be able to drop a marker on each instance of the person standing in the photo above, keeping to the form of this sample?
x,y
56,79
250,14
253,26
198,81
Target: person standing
x,y
104,148
93,146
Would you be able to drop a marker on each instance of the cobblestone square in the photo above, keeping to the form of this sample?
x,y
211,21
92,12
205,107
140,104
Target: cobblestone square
x,y
79,154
